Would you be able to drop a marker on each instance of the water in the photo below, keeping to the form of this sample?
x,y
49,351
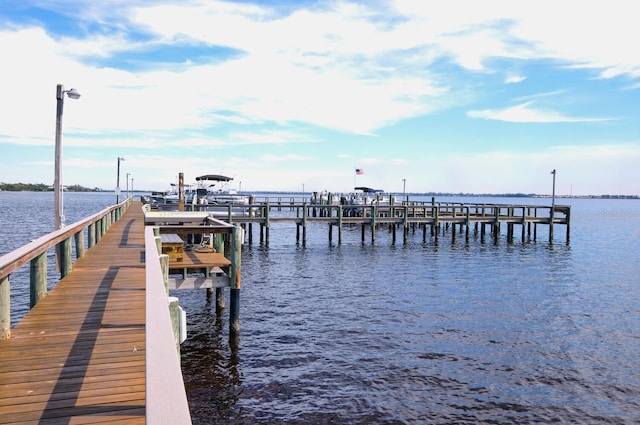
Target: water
x,y
435,332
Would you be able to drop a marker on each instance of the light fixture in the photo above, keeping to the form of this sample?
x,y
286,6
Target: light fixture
x,y
73,93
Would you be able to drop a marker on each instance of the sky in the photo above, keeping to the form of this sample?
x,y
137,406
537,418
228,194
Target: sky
x,y
460,96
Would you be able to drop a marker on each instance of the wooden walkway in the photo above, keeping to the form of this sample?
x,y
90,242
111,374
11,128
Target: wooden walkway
x,y
78,356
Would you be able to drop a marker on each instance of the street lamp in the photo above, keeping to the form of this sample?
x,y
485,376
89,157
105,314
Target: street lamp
x,y
57,182
118,181
128,174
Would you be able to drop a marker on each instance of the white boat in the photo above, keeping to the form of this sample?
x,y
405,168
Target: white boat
x,y
367,196
169,199
214,189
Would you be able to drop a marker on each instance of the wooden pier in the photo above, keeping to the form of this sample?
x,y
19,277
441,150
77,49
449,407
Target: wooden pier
x,y
435,219
100,346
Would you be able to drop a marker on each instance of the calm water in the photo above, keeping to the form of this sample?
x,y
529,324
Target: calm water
x,y
435,332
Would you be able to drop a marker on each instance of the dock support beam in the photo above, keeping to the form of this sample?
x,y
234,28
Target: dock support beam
x,y
5,308
234,292
38,279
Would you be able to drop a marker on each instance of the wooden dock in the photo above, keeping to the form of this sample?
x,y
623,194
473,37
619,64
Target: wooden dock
x,y
433,218
80,355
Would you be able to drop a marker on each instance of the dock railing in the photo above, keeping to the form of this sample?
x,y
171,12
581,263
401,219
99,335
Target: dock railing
x,y
35,253
166,395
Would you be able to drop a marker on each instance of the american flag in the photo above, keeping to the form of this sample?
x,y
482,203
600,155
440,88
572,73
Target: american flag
x,y
359,171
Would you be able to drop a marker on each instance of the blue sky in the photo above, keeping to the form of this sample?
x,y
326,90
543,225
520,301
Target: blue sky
x,y
458,96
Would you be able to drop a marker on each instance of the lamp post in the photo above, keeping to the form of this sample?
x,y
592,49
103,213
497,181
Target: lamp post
x,y
128,195
57,182
118,181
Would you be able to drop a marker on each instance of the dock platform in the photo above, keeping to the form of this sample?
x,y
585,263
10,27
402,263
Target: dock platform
x,y
78,356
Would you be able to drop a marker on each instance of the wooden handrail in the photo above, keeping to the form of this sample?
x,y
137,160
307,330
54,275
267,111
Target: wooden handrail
x,y
34,252
21,256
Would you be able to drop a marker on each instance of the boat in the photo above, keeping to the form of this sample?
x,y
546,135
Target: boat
x,y
170,199
214,189
366,196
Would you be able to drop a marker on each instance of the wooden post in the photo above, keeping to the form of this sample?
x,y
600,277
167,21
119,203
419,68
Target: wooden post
x,y
467,223
435,227
174,312
5,308
552,213
392,229
261,233
373,223
158,240
453,231
220,303
66,261
38,279
267,224
164,265
230,213
304,224
496,223
79,241
103,226
91,233
180,191
235,277
524,223
340,213
568,224
252,200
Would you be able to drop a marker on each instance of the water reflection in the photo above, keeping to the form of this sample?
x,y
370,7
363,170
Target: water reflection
x,y
213,360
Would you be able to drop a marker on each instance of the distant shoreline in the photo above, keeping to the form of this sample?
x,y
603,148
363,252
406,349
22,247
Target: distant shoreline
x,y
28,187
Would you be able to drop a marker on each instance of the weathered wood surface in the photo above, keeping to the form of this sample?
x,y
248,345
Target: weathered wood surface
x,y
79,355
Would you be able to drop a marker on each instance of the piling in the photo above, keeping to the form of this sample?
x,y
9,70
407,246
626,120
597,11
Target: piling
x,y
220,302
235,278
38,279
5,308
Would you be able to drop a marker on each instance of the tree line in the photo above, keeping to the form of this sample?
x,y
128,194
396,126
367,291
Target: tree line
x,y
41,187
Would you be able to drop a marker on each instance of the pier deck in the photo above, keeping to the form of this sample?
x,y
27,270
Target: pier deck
x,y
78,356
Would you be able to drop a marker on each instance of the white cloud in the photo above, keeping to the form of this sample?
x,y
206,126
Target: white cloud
x,y
513,79
345,68
525,113
354,68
